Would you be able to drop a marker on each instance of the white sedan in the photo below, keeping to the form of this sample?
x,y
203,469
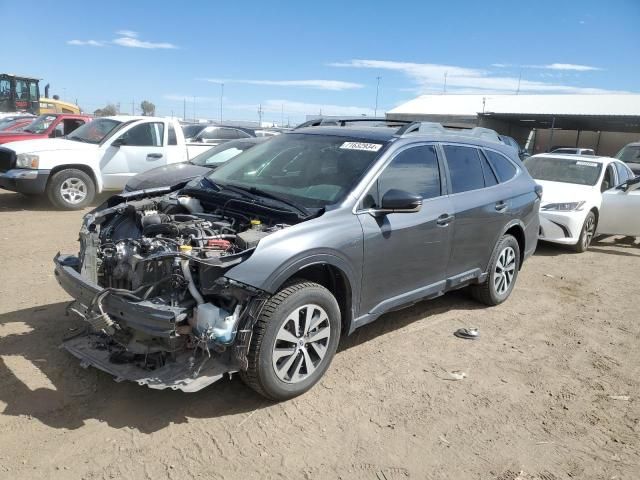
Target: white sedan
x,y
584,195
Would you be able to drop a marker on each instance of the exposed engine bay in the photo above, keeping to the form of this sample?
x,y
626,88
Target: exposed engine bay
x,y
153,291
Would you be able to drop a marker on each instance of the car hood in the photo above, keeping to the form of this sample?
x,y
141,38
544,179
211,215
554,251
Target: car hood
x,y
558,192
48,144
6,137
166,176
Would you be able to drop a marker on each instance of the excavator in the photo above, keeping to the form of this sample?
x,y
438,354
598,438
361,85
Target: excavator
x,y
22,94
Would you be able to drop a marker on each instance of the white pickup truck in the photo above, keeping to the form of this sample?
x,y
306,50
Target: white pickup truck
x,y
101,155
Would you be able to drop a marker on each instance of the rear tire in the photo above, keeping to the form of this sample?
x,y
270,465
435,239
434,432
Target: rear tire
x,y
70,189
294,341
586,234
502,273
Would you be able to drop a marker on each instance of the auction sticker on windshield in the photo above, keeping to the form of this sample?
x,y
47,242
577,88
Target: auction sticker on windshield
x,y
586,164
367,147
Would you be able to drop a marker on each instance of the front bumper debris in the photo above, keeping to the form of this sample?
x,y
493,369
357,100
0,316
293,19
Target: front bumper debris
x,y
186,373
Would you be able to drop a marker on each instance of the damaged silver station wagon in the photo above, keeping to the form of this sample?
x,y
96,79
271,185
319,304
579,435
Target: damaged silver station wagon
x,y
260,266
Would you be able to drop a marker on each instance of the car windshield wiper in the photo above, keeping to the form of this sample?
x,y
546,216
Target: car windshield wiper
x,y
256,192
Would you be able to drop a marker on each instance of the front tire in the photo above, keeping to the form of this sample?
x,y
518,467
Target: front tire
x,y
502,273
71,189
294,341
586,234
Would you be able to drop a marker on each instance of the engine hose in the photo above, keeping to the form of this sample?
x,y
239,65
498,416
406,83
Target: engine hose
x,y
193,290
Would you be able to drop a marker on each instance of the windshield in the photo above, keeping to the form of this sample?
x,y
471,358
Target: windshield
x,y
310,170
40,124
94,131
221,153
579,172
629,154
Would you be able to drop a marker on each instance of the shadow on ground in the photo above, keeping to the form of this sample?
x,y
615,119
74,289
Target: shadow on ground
x,y
17,202
63,395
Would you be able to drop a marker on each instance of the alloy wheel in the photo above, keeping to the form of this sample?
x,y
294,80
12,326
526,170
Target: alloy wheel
x,y
73,190
301,343
505,270
589,231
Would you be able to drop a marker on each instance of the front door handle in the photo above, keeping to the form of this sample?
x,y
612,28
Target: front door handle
x,y
444,220
501,206
154,156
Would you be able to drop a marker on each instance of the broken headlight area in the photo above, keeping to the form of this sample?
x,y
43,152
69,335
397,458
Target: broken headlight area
x,y
149,282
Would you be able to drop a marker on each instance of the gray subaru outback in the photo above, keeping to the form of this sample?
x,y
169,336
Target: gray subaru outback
x,y
260,266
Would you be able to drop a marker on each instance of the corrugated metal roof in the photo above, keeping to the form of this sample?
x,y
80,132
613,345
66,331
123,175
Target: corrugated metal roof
x,y
470,105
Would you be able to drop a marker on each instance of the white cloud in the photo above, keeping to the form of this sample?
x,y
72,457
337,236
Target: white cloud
x,y
566,66
465,80
301,108
126,38
89,43
335,85
127,33
131,42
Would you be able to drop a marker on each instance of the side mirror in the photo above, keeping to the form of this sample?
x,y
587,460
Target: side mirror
x,y
630,185
57,133
398,201
118,142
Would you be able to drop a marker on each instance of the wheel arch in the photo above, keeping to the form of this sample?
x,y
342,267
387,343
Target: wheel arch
x,y
78,166
330,275
516,229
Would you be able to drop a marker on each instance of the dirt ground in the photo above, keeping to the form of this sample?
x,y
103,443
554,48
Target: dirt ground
x,y
551,389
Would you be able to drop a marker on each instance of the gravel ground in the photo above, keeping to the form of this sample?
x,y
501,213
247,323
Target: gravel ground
x,y
551,388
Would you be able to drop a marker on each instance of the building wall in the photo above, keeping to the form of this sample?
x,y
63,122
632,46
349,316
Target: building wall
x,y
604,143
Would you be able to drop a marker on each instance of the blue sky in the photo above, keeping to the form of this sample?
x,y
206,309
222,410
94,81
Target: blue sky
x,y
307,57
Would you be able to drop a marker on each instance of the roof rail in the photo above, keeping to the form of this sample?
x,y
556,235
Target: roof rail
x,y
438,128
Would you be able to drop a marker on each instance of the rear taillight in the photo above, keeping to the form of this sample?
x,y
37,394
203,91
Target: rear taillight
x,y
538,190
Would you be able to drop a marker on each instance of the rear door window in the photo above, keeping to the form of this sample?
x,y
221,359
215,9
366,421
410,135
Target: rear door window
x,y
465,168
503,167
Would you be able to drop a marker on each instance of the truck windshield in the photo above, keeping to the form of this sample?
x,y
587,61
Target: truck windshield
x,y
579,172
629,154
94,131
311,170
40,124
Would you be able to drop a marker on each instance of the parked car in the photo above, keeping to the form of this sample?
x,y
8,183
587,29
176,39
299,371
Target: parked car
x,y
260,266
574,151
99,156
175,173
46,126
13,123
584,196
191,130
216,134
630,154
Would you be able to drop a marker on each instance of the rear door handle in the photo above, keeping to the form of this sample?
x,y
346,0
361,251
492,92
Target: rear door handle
x,y
154,156
501,206
444,220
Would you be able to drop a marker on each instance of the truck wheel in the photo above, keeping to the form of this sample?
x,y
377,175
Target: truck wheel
x,y
502,273
294,341
71,189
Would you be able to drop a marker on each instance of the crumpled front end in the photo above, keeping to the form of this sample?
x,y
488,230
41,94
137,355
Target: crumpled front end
x,y
150,284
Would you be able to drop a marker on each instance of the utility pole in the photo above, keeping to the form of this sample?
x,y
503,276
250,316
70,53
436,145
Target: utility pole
x,y
260,114
184,109
221,97
519,78
444,90
133,107
194,109
375,112
282,116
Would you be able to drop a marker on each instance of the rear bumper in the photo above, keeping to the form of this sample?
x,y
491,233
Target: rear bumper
x,y
24,180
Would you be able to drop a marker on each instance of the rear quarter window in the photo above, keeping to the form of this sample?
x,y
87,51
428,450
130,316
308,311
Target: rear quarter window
x,y
502,165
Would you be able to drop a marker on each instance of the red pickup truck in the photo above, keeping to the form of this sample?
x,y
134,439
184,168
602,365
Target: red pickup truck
x,y
51,125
